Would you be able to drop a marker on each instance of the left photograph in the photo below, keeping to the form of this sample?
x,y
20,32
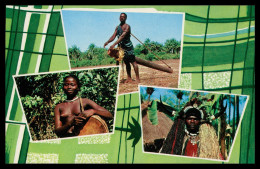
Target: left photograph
x,y
69,104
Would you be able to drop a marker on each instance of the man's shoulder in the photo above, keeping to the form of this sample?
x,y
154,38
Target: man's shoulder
x,y
127,25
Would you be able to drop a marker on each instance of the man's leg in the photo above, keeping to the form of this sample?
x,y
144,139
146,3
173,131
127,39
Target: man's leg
x,y
128,71
136,69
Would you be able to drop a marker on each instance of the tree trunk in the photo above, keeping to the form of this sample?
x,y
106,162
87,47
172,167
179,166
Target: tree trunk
x,y
234,115
237,121
229,111
223,135
153,65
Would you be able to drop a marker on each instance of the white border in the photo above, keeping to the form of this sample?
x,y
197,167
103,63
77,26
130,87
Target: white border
x,y
130,10
64,32
64,71
201,91
182,39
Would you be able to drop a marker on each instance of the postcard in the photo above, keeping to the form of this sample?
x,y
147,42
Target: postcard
x,y
147,44
69,103
190,123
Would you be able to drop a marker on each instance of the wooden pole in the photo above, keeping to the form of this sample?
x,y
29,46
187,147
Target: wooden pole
x,y
153,65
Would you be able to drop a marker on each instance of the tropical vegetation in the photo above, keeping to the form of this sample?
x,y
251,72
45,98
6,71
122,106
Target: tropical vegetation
x,y
39,94
95,55
226,123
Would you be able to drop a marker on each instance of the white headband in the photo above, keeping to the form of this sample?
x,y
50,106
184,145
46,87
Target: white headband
x,y
190,107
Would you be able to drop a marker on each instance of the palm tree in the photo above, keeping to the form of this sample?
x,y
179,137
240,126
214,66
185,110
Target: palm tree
x,y
172,46
74,52
90,52
147,44
156,46
149,91
179,94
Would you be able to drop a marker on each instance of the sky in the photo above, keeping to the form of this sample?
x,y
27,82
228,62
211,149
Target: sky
x,y
85,27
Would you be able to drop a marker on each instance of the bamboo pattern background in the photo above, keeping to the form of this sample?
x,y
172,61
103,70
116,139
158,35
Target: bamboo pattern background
x,y
218,47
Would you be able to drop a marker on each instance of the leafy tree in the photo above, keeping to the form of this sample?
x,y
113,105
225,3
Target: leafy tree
x,y
94,55
156,46
172,46
74,52
90,51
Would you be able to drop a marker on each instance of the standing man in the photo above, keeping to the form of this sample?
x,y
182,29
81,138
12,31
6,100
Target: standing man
x,y
123,32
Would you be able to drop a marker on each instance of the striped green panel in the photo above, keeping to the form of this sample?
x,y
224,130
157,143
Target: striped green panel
x,y
192,56
14,43
9,13
41,23
247,132
194,28
30,41
237,56
127,135
33,61
214,55
214,28
7,36
14,28
17,111
60,46
227,11
24,148
237,80
53,28
12,54
11,142
251,148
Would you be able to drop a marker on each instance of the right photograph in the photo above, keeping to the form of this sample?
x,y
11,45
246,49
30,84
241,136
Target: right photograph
x,y
190,123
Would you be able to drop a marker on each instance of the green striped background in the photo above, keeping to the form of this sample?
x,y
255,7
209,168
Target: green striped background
x,y
24,42
227,61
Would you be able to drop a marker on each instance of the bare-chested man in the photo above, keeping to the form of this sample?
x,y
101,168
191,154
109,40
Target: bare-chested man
x,y
123,32
68,115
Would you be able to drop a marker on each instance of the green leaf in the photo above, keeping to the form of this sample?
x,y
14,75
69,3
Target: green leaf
x,y
152,113
81,75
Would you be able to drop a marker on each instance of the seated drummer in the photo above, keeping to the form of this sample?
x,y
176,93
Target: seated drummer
x,y
68,115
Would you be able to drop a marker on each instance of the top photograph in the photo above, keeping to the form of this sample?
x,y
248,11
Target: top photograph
x,y
146,46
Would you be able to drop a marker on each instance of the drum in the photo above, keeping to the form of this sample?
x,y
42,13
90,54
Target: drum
x,y
94,125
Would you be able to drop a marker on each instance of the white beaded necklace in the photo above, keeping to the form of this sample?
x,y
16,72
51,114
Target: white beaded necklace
x,y
72,99
192,137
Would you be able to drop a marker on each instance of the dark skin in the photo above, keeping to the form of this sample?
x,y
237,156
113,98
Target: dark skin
x,y
68,115
126,30
192,123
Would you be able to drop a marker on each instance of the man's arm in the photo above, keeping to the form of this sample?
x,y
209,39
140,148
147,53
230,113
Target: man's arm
x,y
111,38
127,30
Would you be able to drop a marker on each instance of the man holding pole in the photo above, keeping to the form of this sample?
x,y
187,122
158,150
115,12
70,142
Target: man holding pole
x,y
123,32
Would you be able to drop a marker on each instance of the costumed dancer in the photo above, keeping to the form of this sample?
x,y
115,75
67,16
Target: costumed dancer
x,y
190,137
